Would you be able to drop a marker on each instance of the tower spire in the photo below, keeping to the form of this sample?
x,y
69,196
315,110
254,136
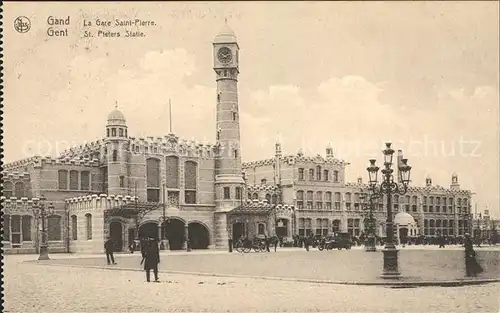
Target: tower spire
x,y
116,104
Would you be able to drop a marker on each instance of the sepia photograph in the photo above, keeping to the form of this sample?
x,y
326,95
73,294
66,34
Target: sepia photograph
x,y
250,156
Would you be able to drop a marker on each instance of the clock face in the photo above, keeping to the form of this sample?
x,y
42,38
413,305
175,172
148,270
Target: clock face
x,y
225,55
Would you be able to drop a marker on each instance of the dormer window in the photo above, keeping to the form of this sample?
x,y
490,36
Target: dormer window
x,y
263,181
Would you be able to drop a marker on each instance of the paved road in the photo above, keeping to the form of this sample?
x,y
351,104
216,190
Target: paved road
x,y
343,265
30,287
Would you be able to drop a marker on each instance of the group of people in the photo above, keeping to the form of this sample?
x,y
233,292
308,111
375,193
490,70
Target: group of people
x,y
150,252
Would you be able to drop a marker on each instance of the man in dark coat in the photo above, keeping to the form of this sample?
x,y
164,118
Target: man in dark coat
x,y
151,258
109,248
472,268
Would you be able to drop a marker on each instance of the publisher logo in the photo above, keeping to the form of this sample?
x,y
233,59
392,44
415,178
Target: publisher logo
x,y
22,24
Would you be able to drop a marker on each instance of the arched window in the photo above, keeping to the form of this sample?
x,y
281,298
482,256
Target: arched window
x,y
7,189
275,199
268,198
328,199
115,155
113,132
311,174
19,190
74,227
63,179
318,172
190,179
26,225
172,168
88,226
255,196
73,180
300,199
319,200
54,227
249,195
336,176
85,180
120,132
153,180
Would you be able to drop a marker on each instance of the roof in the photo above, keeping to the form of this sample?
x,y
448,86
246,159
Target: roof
x,y
116,117
403,218
225,35
252,207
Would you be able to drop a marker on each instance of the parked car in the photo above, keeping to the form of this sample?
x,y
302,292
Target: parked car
x,y
342,241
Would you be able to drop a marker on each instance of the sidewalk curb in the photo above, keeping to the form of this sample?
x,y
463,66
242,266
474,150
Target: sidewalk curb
x,y
402,284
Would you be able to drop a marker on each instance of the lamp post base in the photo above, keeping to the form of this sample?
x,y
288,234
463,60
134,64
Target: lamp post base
x,y
44,253
391,270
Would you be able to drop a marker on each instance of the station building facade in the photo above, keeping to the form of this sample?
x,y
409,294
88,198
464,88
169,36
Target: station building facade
x,y
176,190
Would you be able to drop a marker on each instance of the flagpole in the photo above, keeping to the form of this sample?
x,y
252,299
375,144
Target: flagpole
x,y
170,114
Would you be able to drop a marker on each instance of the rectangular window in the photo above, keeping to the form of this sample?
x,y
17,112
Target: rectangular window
x,y
319,205
63,179
189,196
74,227
73,180
301,174
113,132
336,176
120,132
227,193
238,193
122,181
85,180
325,175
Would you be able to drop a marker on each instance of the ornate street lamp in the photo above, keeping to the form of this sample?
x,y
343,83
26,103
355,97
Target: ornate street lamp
x,y
389,187
42,212
368,202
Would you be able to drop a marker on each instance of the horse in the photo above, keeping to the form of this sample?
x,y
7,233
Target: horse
x,y
274,240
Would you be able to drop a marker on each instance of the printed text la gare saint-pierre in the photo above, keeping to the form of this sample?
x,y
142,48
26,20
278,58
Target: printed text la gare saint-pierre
x,y
104,28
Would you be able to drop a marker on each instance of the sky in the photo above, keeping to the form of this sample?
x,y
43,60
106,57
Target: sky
x,y
422,75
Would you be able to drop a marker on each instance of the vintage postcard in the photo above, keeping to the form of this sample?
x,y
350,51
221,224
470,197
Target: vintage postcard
x,y
250,156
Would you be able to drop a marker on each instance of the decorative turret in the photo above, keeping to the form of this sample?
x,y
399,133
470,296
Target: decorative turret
x,y
116,153
398,163
428,181
329,152
454,182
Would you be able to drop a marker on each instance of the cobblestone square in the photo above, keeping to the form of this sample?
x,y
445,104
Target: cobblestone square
x,y
34,287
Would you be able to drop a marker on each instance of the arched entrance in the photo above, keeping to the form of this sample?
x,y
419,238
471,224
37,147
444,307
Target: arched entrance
x,y
199,237
175,233
148,229
238,231
116,233
403,235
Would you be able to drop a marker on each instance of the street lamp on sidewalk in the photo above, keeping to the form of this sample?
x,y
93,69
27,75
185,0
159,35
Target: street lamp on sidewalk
x,y
389,187
41,211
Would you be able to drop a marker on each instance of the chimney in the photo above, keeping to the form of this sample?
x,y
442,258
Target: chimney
x,y
360,180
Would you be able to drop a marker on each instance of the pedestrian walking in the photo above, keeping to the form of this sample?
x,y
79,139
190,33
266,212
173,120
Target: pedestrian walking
x,y
306,243
151,258
472,267
109,248
442,241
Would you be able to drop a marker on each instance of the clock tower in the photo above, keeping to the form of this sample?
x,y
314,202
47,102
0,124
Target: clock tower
x,y
229,181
